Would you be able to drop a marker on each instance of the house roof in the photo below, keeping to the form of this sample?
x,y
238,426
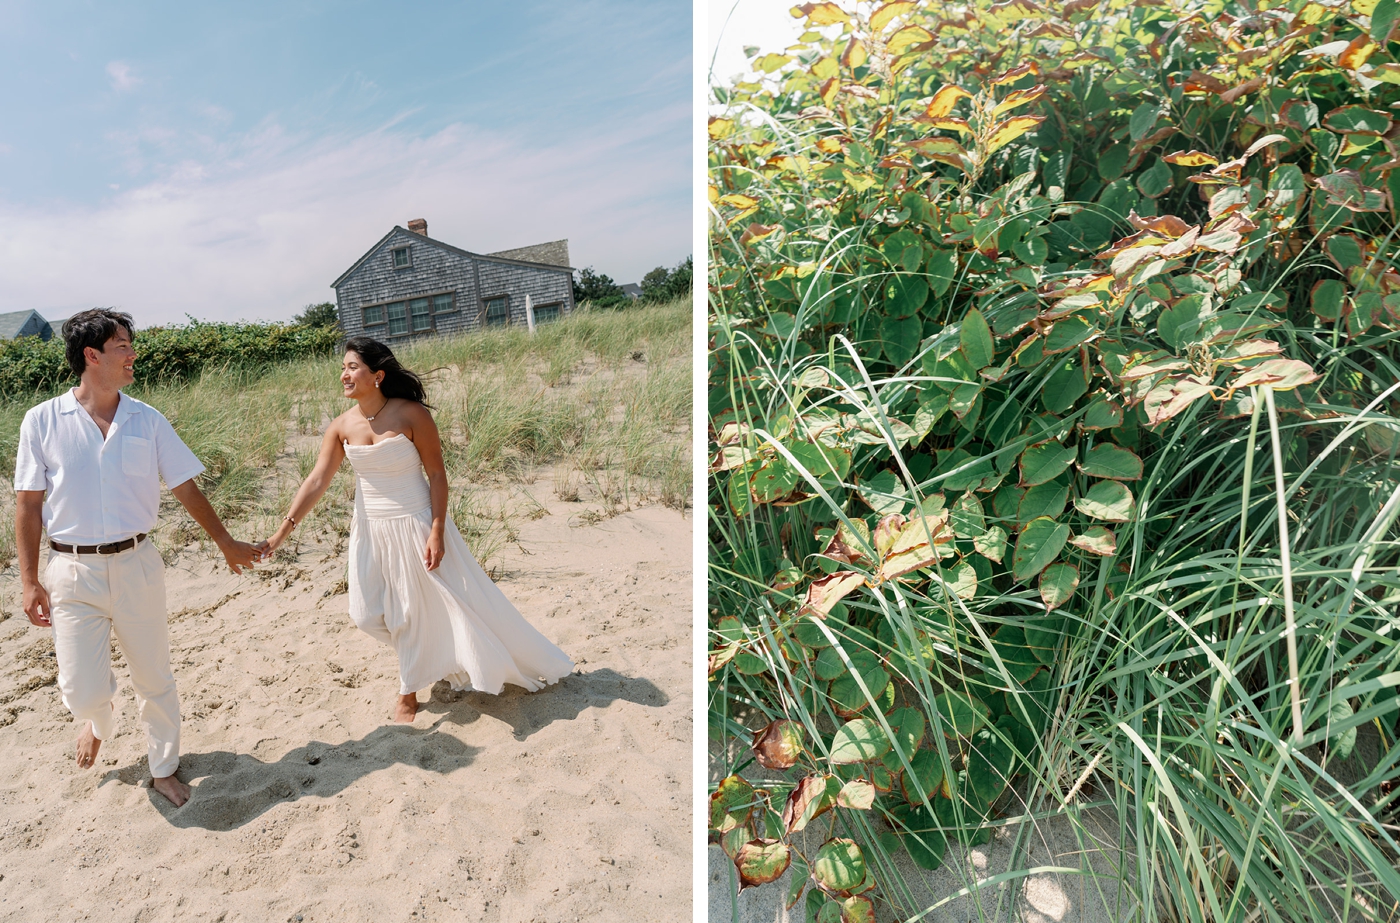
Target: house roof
x,y
14,323
416,238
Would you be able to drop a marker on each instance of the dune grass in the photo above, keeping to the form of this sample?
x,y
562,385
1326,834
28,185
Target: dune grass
x,y
601,399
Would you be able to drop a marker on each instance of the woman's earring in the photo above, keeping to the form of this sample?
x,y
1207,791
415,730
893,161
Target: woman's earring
x,y
376,383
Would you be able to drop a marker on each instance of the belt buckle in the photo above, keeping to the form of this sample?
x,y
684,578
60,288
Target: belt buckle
x,y
109,548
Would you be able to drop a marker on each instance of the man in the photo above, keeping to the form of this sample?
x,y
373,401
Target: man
x,y
98,455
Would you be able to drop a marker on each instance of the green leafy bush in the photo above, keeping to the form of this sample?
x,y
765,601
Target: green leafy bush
x,y
1002,299
29,365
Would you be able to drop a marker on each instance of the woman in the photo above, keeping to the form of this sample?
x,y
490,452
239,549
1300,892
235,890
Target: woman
x,y
413,583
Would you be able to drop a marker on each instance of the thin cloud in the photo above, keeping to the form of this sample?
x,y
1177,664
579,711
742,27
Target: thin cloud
x,y
120,75
260,230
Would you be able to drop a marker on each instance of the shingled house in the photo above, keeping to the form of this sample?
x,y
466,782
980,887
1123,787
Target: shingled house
x,y
411,285
30,323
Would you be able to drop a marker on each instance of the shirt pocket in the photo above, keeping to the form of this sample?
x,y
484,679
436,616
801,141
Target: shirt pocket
x,y
136,456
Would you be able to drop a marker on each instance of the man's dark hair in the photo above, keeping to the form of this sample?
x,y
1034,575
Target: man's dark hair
x,y
92,328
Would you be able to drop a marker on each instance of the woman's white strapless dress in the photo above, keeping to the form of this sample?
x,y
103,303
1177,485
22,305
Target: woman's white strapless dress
x,y
451,623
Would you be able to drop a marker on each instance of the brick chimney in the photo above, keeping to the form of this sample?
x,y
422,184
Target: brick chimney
x,y
418,226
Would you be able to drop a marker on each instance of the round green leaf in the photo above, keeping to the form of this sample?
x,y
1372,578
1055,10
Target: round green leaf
x,y
848,697
1057,583
1043,636
1039,544
839,866
904,295
731,804
1068,333
1327,299
1043,463
905,250
928,771
942,266
1064,386
1042,500
908,727
961,713
1106,460
1015,653
989,765
901,336
1102,414
963,580
825,911
859,741
1156,181
976,339
1108,501
761,861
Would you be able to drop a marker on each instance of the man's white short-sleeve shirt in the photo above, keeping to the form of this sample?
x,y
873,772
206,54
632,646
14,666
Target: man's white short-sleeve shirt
x,y
99,490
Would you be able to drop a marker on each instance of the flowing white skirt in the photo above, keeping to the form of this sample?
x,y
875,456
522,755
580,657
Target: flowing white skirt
x,y
451,623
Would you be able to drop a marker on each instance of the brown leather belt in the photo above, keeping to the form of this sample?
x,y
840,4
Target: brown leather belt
x,y
108,548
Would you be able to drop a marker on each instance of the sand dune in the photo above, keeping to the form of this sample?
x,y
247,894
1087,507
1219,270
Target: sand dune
x,y
567,804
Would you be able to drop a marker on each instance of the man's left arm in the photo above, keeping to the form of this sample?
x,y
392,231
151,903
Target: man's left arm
x,y
238,554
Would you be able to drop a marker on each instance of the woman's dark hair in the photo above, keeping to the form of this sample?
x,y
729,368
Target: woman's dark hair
x,y
398,381
92,328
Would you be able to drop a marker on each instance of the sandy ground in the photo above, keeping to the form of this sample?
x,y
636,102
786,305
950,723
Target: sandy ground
x,y
571,803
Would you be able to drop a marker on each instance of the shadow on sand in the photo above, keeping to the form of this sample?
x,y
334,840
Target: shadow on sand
x,y
233,789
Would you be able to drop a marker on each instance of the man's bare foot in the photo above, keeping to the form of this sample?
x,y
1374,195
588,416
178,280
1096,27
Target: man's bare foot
x,y
406,708
88,746
175,791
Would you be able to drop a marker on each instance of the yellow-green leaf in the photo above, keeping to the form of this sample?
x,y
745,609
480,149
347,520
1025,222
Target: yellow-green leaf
x,y
1019,98
1003,133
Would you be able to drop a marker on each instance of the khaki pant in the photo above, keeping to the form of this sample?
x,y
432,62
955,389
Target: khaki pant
x,y
91,596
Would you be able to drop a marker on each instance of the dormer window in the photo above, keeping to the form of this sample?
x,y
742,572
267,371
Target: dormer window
x,y
401,258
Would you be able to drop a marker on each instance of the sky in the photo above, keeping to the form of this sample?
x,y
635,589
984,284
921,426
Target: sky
x,y
229,161
733,24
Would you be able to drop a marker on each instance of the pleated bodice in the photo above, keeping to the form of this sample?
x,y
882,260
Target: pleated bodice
x,y
391,481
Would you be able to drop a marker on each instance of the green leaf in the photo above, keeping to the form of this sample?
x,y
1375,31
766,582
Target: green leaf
x,y
1043,463
1043,500
1020,661
857,909
1327,299
847,695
989,765
761,861
731,804
904,295
1064,386
976,339
991,544
961,713
1157,181
941,268
1143,118
816,908
1383,19
1067,333
966,517
858,741
1057,584
1096,540
900,337
1039,544
908,727
1180,323
1352,119
904,250
1102,414
798,882
921,835
928,771
1106,460
963,580
1043,636
840,865
1108,501
829,664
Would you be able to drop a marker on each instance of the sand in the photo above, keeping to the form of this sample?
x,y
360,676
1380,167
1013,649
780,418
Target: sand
x,y
571,803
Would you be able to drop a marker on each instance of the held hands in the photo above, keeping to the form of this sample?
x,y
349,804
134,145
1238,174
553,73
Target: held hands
x,y
240,555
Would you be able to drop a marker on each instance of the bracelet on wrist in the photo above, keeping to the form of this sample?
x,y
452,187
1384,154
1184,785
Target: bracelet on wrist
x,y
291,520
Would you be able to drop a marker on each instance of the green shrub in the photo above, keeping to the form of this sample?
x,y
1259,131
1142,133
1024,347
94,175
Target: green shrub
x,y
1002,297
172,354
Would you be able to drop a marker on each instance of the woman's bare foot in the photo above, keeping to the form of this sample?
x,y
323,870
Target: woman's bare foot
x,y
406,708
88,746
175,791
